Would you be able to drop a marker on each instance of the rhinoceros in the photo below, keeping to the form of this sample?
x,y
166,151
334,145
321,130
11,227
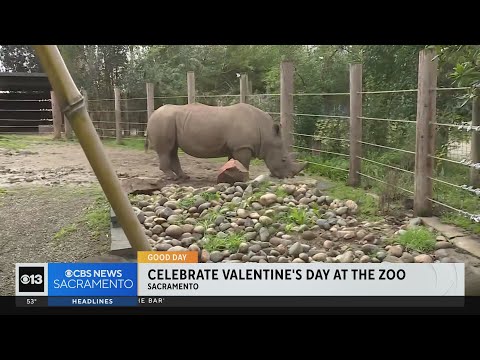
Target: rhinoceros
x,y
239,131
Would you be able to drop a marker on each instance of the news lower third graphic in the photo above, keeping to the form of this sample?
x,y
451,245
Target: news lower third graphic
x,y
80,284
176,279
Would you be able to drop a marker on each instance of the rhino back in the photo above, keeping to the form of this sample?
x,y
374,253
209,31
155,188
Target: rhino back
x,y
209,131
213,131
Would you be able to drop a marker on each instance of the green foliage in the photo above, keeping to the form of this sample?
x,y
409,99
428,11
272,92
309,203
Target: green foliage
x,y
18,58
3,191
186,202
210,196
299,216
419,239
295,216
280,192
231,242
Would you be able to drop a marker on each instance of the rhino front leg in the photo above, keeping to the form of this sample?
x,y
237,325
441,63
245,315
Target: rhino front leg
x,y
244,156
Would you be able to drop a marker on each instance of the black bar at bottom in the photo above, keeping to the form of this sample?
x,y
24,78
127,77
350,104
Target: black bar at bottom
x,y
300,301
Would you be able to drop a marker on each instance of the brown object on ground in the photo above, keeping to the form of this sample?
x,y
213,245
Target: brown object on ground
x,y
232,171
141,185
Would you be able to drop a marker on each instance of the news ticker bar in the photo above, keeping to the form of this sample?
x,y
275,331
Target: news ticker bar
x,y
172,275
242,301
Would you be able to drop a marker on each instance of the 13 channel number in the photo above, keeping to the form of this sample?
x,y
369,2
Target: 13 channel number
x,y
31,279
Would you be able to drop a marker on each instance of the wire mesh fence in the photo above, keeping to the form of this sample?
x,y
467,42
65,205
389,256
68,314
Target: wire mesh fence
x,y
320,122
452,191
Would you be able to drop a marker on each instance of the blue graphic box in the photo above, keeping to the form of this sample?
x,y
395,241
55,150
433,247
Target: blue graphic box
x,y
84,279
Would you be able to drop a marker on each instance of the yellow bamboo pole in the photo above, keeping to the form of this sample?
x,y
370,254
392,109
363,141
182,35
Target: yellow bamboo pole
x,y
72,104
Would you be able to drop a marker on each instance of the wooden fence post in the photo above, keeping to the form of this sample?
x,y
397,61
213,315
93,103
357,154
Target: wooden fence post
x,y
425,132
316,145
286,103
118,116
68,129
126,106
150,100
475,143
56,116
191,87
243,88
355,124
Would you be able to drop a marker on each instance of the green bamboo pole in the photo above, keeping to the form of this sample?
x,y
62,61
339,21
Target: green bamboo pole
x,y
72,104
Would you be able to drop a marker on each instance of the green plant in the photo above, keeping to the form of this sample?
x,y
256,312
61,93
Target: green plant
x,y
186,202
299,215
281,192
231,242
418,239
209,196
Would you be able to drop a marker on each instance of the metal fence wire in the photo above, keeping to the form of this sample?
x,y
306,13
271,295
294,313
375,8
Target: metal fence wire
x,y
322,138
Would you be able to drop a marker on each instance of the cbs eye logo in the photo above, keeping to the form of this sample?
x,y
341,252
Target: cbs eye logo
x,y
31,279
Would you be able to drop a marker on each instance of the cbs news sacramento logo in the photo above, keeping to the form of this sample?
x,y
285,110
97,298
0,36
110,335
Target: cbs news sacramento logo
x,y
31,279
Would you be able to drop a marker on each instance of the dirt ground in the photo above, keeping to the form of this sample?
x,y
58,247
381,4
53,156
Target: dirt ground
x,y
45,188
66,163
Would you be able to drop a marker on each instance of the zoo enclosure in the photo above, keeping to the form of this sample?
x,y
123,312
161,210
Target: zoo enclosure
x,y
123,117
25,105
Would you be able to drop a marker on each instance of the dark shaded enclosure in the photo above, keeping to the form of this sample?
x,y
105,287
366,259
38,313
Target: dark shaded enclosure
x,y
24,102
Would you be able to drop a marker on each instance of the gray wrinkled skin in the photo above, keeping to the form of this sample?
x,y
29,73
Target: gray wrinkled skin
x,y
239,131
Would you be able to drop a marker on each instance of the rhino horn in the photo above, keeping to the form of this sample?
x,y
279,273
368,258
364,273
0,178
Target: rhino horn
x,y
297,167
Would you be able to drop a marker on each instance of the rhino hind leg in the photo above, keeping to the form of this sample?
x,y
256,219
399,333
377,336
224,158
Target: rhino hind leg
x,y
176,167
165,160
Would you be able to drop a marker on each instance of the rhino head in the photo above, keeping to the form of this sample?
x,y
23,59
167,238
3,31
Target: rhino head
x,y
279,161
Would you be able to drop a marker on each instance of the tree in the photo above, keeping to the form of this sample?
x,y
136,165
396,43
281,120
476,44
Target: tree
x,y
19,58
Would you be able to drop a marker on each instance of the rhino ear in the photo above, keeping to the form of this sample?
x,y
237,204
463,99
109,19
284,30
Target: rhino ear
x,y
276,129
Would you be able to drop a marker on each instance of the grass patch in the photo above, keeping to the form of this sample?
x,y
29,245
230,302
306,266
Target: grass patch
x,y
97,217
419,239
295,216
370,208
461,221
3,191
209,218
231,242
20,142
65,231
134,144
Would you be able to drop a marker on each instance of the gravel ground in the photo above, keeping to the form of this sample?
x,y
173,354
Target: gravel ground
x,y
31,216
